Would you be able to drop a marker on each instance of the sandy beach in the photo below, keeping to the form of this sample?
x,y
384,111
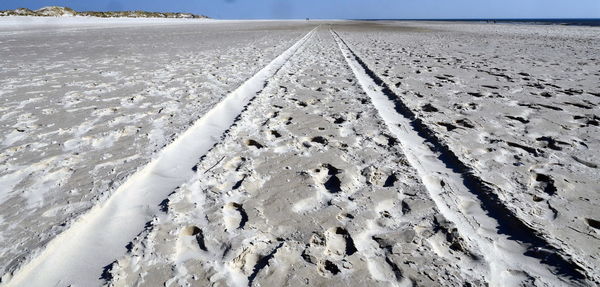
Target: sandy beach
x,y
177,152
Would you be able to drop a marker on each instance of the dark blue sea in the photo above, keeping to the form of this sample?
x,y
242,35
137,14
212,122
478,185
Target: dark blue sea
x,y
567,22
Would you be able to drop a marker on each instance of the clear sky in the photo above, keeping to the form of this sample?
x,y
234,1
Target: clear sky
x,y
338,9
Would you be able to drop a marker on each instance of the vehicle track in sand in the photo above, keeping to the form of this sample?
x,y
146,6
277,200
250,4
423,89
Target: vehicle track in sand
x,y
308,187
514,128
464,198
78,255
90,108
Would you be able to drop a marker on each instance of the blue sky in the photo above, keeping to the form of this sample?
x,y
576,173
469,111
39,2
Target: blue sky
x,y
339,9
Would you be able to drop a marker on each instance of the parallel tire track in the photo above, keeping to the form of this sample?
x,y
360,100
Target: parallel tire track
x,y
414,131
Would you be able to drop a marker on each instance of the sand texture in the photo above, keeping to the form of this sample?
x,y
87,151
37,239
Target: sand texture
x,y
298,153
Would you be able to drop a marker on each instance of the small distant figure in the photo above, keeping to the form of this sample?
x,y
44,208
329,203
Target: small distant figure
x,y
307,19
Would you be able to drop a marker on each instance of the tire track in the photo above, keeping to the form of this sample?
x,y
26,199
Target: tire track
x,y
463,197
78,255
329,199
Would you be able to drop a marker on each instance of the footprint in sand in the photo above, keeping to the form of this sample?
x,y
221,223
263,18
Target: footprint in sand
x,y
234,216
339,243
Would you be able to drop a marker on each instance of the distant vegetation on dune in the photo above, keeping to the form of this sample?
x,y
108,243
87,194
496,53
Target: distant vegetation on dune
x,y
55,11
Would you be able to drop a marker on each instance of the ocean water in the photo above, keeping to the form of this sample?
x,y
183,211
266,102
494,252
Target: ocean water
x,y
567,22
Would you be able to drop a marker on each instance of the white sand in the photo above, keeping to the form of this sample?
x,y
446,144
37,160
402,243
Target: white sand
x,y
345,165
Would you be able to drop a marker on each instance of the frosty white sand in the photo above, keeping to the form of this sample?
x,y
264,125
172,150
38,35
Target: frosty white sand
x,y
78,255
